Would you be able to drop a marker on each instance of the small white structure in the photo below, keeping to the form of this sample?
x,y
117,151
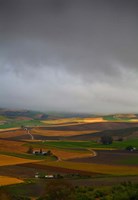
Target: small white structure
x,y
37,175
49,176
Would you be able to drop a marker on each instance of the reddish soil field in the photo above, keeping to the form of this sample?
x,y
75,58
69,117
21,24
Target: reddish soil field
x,y
20,171
12,146
57,170
12,133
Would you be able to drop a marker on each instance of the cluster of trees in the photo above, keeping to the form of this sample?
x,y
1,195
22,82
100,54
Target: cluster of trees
x,y
30,150
65,191
62,190
106,139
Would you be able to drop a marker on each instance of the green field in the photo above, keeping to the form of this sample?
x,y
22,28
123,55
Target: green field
x,y
86,144
2,118
12,124
133,160
116,119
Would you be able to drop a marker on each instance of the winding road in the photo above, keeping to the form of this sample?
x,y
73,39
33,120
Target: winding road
x,y
28,132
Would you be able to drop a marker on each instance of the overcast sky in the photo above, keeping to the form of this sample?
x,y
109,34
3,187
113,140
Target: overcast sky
x,y
69,55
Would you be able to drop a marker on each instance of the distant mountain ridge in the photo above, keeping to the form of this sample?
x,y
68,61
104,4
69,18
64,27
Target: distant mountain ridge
x,y
20,113
12,114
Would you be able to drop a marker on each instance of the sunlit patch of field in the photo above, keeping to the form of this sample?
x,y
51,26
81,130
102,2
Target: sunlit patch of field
x,y
60,133
133,120
9,129
12,146
97,168
60,121
94,120
73,121
6,180
11,160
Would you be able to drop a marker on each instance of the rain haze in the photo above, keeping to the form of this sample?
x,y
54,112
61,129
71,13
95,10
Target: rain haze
x,y
69,55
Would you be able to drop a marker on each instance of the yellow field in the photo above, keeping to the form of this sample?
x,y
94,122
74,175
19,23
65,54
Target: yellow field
x,y
97,168
10,160
73,121
94,120
6,180
62,121
133,120
60,133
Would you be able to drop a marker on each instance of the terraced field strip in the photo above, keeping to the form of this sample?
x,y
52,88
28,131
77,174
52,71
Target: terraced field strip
x,y
9,129
12,133
60,133
11,160
96,168
90,144
73,121
134,120
63,154
6,180
13,146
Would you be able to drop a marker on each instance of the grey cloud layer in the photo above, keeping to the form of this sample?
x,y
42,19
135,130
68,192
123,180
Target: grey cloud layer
x,y
79,54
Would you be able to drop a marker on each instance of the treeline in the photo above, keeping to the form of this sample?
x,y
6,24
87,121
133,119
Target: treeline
x,y
62,190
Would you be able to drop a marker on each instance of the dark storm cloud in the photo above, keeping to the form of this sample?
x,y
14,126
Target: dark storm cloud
x,y
88,46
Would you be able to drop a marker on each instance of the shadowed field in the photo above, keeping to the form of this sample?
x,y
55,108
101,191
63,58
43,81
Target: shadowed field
x,y
99,126
111,157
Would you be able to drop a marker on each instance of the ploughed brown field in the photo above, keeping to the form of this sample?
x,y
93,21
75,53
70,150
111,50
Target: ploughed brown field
x,y
12,146
43,132
63,154
58,169
99,126
109,157
22,171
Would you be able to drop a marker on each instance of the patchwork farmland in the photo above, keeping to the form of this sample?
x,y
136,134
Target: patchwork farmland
x,y
75,147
